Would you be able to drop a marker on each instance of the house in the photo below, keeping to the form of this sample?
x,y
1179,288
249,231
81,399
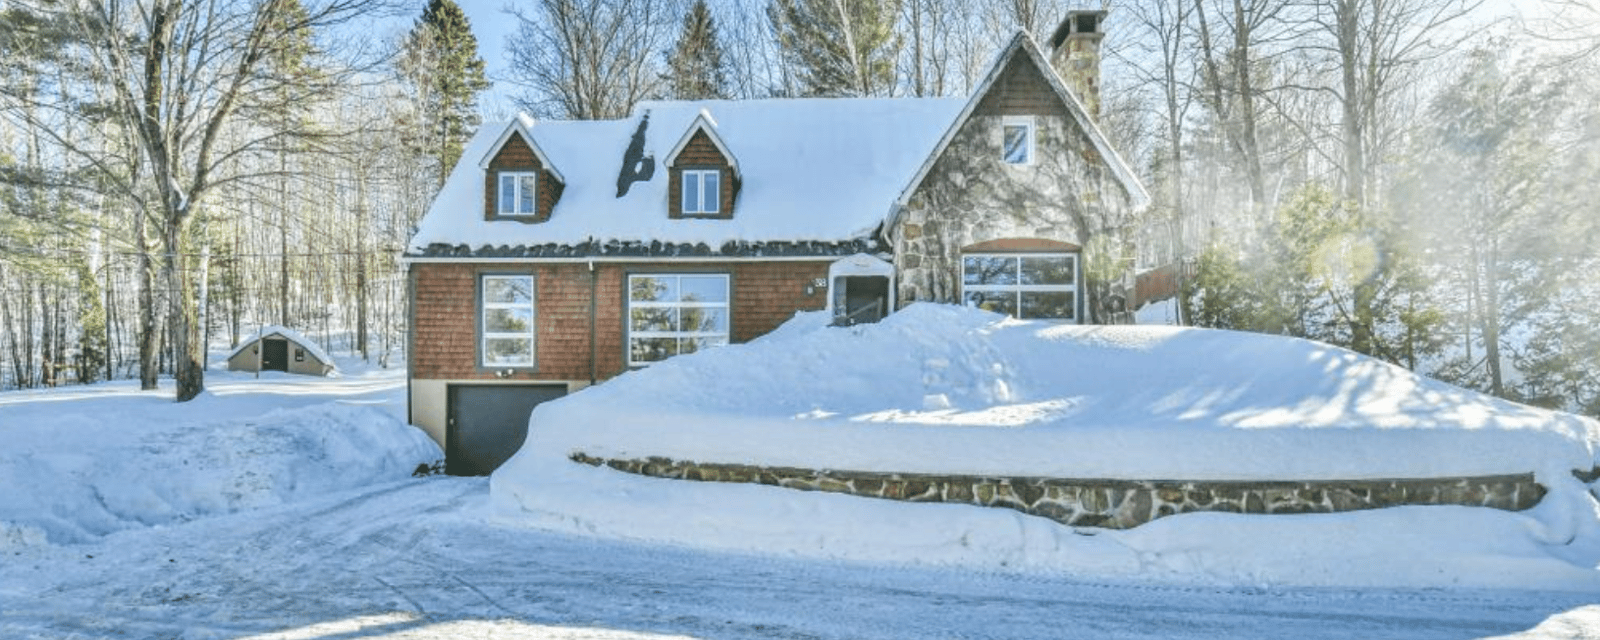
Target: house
x,y
276,348
560,254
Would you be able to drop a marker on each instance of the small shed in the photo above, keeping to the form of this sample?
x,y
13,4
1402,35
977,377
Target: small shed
x,y
276,348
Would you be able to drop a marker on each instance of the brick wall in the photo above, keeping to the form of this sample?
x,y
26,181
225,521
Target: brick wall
x,y
701,153
516,155
444,331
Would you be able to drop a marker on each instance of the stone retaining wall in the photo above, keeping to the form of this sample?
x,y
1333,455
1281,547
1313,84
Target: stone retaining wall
x,y
1113,504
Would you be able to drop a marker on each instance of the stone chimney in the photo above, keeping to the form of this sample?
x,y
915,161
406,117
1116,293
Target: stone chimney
x,y
1075,53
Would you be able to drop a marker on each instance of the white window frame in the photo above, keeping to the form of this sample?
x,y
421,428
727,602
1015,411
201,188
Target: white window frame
x,y
700,208
513,209
485,306
1018,289
1029,146
726,305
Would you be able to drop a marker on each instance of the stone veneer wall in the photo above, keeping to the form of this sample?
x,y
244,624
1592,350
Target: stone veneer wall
x,y
1113,504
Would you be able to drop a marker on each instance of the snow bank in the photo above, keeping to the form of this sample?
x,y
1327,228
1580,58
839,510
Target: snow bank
x,y
119,471
937,389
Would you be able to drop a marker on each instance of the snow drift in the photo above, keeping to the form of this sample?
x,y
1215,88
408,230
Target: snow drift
x,y
105,473
940,389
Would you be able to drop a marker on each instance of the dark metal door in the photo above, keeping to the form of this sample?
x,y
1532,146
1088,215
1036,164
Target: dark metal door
x,y
274,355
487,424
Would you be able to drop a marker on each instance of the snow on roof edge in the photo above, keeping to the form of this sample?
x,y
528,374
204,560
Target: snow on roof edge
x,y
267,331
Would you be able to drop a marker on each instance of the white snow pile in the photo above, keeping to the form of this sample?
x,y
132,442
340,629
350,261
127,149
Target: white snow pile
x,y
940,389
75,476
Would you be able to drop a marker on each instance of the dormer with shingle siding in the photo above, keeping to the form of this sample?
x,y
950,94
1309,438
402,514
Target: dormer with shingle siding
x,y
519,182
703,176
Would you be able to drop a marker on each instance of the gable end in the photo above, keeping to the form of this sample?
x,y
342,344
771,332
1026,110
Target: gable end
x,y
1021,90
700,152
516,156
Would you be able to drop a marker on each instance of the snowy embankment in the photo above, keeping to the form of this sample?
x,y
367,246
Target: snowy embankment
x,y
84,462
946,390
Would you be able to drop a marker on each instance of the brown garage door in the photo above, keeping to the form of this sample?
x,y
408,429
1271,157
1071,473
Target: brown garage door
x,y
488,424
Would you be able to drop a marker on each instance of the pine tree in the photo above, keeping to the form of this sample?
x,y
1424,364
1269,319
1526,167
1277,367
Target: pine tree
x,y
439,59
839,47
695,67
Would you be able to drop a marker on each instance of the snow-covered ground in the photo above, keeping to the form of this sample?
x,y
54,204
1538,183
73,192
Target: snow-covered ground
x,y
250,514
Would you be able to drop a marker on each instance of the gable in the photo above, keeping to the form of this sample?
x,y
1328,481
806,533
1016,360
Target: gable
x,y
1021,90
516,155
1020,82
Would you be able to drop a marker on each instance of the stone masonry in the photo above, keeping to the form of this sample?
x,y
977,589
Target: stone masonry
x,y
1112,504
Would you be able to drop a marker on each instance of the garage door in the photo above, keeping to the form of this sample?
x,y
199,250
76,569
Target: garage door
x,y
487,424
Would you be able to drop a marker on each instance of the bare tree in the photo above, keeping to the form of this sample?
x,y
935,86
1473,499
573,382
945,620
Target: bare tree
x,y
178,75
591,59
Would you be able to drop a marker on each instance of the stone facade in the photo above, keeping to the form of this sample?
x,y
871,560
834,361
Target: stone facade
x,y
970,195
1112,504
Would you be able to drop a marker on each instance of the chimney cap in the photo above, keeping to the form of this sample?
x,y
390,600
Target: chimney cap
x,y
1081,23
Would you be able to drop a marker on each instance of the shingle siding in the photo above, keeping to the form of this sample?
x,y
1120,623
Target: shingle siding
x,y
516,155
701,153
764,295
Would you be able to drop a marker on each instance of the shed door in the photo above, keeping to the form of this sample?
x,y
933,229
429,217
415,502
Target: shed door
x,y
274,355
487,424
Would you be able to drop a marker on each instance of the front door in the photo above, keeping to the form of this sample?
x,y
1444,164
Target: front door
x,y
274,355
488,423
860,299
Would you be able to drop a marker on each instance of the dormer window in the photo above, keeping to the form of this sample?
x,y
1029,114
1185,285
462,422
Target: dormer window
x,y
702,192
517,191
1016,140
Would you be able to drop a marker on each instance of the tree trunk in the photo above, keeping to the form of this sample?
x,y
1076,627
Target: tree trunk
x,y
188,355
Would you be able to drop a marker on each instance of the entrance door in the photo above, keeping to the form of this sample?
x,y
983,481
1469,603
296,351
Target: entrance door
x,y
860,299
488,423
274,355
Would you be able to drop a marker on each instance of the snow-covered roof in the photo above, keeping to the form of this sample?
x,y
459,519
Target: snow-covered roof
x,y
291,335
814,170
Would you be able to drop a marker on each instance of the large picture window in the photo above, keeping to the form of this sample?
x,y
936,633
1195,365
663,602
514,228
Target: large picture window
x,y
1043,285
669,314
507,312
702,192
517,194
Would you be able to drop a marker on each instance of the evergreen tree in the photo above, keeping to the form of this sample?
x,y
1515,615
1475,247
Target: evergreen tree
x,y
695,67
439,59
839,47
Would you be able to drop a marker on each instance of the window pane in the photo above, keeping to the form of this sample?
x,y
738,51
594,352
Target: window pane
x,y
1015,149
989,270
653,319
711,201
652,289
1047,304
691,345
528,184
508,289
508,193
507,351
652,349
1047,270
997,301
704,289
691,192
704,319
518,320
